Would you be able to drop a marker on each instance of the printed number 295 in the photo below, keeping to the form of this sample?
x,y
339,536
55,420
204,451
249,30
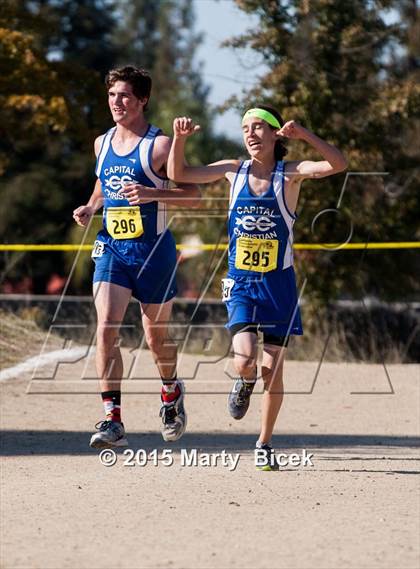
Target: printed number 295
x,y
256,258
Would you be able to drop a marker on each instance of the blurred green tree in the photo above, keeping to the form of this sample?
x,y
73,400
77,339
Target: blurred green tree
x,y
53,106
56,55
160,37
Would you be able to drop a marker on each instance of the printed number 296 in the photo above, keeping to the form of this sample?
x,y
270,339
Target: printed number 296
x,y
122,226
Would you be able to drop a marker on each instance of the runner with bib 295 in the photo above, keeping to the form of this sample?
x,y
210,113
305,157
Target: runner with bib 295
x,y
260,287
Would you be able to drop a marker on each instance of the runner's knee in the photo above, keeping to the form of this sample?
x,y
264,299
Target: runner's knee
x,y
157,342
107,333
245,366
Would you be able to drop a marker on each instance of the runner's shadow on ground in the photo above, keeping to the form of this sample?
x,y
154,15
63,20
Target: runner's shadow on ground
x,y
26,443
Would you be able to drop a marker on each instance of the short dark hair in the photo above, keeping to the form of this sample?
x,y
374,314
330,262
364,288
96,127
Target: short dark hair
x,y
280,149
139,79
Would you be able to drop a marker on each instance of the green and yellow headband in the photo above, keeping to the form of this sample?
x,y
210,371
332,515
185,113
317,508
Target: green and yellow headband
x,y
262,114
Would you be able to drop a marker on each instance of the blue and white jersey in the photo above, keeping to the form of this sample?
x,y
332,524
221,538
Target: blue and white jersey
x,y
114,171
260,227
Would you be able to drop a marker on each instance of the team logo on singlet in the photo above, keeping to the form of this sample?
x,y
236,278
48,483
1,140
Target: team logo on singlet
x,y
252,223
115,178
258,219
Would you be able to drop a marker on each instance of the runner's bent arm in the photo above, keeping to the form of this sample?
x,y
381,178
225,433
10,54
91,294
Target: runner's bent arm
x,y
178,170
184,195
333,162
83,213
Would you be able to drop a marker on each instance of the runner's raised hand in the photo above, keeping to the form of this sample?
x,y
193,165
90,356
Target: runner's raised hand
x,y
184,126
292,129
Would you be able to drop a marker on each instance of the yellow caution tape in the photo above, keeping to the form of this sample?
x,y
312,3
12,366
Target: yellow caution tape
x,y
223,246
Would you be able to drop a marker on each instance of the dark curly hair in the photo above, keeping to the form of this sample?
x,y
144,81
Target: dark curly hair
x,y
139,79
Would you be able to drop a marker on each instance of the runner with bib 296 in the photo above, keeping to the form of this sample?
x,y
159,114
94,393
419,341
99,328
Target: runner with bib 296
x,y
134,253
260,287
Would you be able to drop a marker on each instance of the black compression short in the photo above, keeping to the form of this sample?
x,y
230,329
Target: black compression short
x,y
253,328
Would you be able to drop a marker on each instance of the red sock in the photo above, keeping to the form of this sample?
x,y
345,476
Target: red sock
x,y
170,391
112,405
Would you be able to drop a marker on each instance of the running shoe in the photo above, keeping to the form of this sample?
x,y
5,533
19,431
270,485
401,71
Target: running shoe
x,y
110,434
174,417
265,458
239,397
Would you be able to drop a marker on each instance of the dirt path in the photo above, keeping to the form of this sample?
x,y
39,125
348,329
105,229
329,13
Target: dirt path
x,y
357,507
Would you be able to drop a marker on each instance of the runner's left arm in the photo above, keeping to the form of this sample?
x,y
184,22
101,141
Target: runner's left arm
x,y
333,163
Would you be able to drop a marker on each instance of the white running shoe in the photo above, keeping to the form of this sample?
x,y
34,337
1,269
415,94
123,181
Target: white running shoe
x,y
174,417
110,434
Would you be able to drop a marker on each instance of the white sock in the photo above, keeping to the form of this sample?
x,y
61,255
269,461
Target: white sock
x,y
249,380
259,444
169,387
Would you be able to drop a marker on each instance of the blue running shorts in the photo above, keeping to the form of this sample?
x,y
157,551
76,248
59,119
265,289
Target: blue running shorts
x,y
271,302
148,269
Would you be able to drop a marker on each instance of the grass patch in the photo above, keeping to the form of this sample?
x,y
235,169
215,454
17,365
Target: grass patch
x,y
21,336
